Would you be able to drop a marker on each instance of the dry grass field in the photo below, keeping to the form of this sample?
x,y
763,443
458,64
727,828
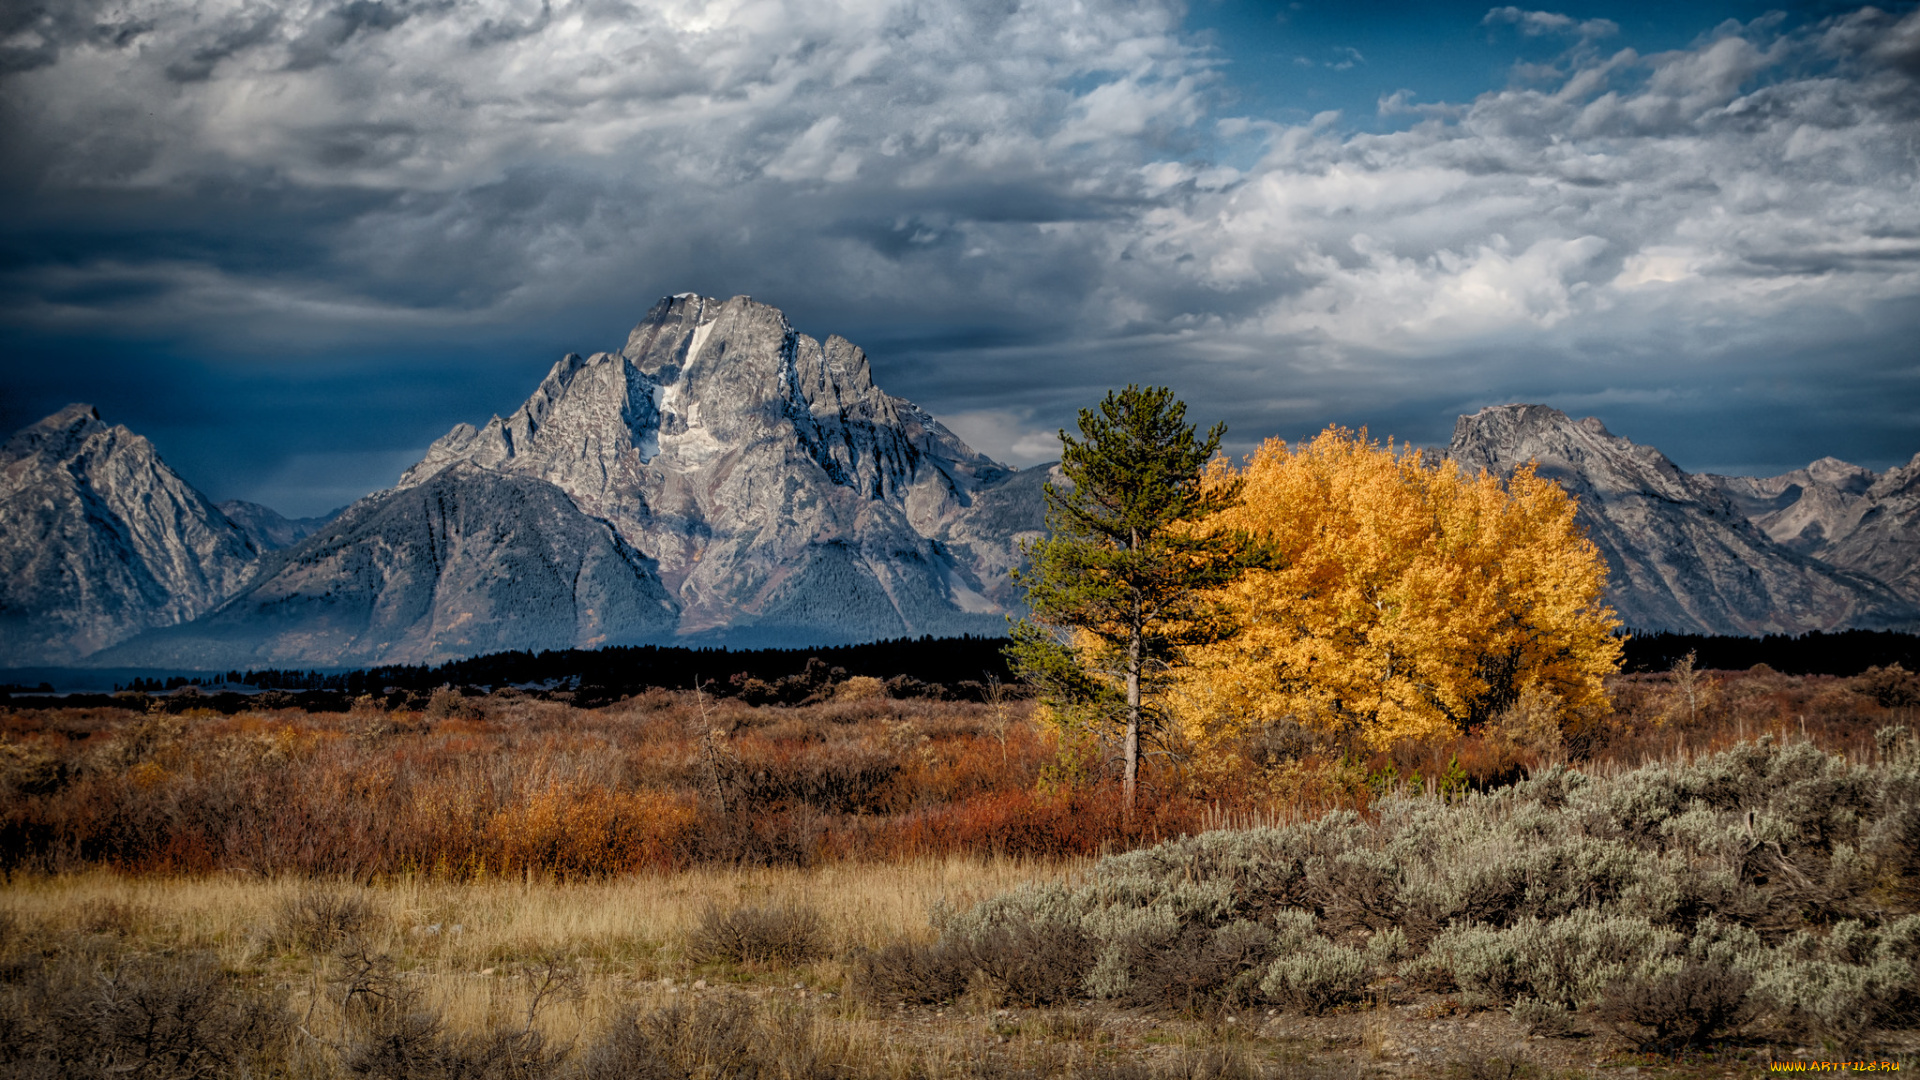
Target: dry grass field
x,y
572,958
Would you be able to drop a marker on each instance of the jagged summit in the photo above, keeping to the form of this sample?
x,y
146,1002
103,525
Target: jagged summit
x,y
762,469
1681,554
721,478
1841,514
100,540
53,438
1582,454
699,378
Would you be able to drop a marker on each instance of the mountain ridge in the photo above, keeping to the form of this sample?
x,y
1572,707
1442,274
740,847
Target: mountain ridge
x,y
101,540
763,488
1844,515
723,479
1682,554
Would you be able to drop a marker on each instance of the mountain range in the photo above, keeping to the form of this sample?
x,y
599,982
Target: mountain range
x,y
1720,554
724,479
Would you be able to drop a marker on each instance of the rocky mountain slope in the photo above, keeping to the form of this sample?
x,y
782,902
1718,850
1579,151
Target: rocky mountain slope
x,y
721,478
468,561
268,528
725,479
100,540
1885,541
1843,515
1682,550
783,495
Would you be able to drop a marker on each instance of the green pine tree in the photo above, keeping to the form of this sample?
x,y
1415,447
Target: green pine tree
x,y
1116,590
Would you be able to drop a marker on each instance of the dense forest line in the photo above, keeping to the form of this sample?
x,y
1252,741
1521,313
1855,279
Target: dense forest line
x,y
1843,652
964,668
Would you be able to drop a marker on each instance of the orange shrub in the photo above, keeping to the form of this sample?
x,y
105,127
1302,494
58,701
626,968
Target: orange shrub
x,y
575,831
544,788
1025,824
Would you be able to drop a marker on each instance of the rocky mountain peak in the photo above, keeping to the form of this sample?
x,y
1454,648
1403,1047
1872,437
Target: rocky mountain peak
x,y
753,464
1841,514
55,437
100,539
700,379
1840,475
1897,480
1680,553
1582,455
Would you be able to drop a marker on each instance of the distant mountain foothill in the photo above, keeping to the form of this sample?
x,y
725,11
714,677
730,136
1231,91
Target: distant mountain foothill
x,y
725,480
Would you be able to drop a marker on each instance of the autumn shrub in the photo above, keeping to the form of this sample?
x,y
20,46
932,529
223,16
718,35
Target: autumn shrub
x,y
910,972
316,919
833,779
27,769
1893,686
860,688
446,703
781,935
72,1008
1677,1009
794,836
578,831
1075,822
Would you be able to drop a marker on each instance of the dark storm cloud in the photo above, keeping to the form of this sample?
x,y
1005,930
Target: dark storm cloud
x,y
230,40
33,33
351,225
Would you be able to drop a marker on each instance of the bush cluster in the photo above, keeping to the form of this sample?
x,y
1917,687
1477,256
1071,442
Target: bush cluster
x,y
506,784
778,936
463,785
97,1011
1673,903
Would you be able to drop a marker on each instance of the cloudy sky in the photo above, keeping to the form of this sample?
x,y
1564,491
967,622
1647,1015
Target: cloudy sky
x,y
295,240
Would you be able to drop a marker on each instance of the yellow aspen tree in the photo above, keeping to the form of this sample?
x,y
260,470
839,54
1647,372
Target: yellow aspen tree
x,y
1404,599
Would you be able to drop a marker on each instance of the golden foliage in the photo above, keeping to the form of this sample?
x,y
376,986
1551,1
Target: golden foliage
x,y
1411,600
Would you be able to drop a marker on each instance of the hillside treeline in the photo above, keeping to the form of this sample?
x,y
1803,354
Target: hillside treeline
x,y
919,667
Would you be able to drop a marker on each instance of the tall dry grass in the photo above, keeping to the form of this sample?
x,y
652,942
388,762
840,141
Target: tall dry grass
x,y
639,923
570,962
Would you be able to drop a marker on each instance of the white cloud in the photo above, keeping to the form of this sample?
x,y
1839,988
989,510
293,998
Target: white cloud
x,y
437,96
1543,23
1738,188
1006,435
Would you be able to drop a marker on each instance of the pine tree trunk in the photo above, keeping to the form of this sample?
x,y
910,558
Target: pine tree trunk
x,y
1133,718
